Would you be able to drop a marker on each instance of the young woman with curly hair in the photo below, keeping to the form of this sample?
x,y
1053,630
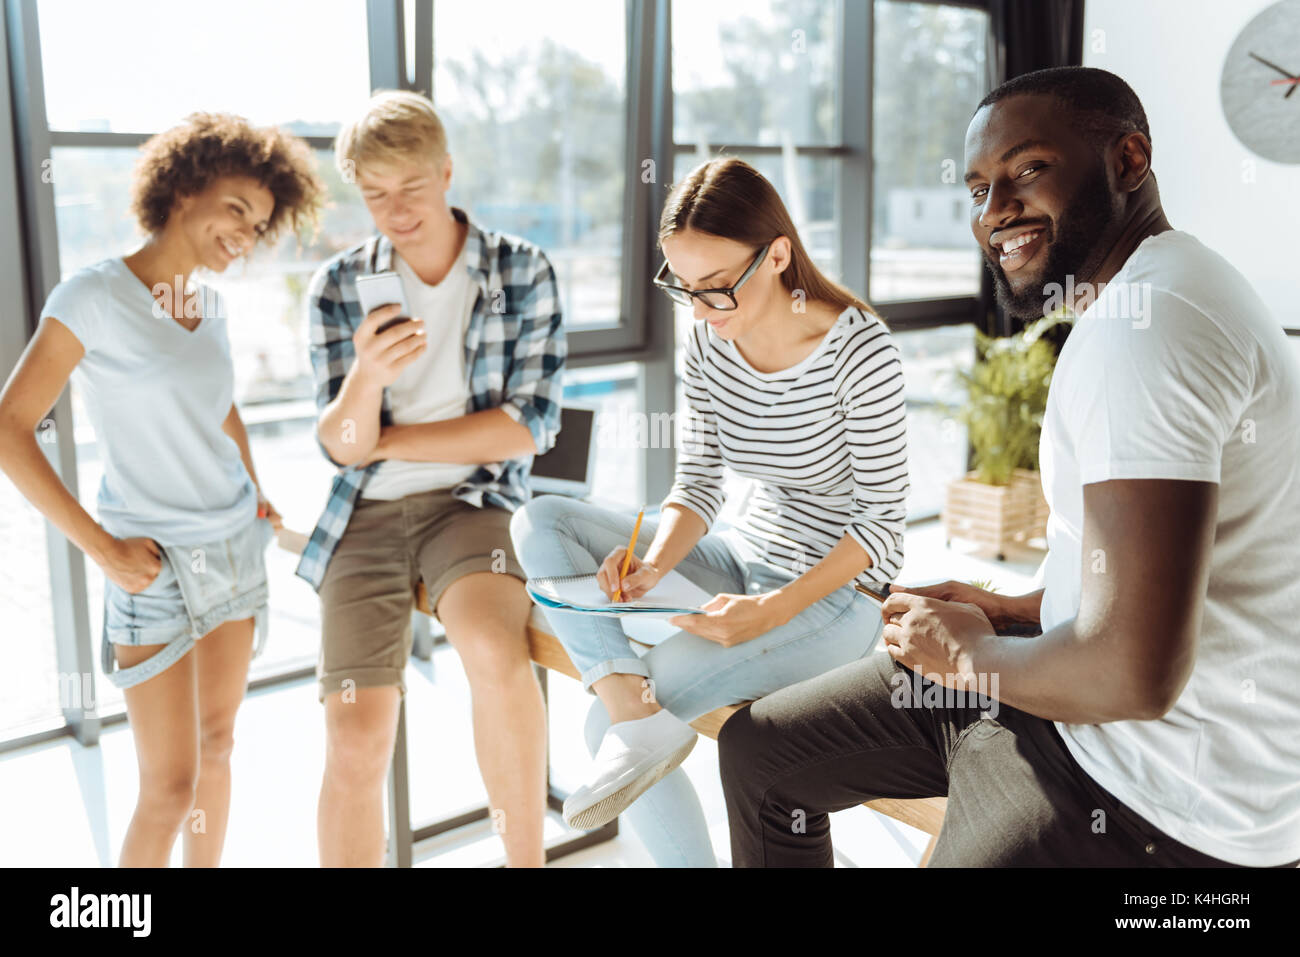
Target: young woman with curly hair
x,y
182,520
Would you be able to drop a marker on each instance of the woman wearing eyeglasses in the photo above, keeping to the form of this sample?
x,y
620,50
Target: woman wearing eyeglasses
x,y
794,383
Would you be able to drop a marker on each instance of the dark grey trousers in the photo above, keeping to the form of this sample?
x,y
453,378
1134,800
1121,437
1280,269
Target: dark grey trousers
x,y
1016,797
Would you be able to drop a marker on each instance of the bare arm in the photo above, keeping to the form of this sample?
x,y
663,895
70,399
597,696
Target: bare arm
x,y
1021,609
34,386
1128,653
348,427
1130,650
234,427
489,435
528,418
842,564
733,618
679,531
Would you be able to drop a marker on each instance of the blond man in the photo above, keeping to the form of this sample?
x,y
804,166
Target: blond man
x,y
432,424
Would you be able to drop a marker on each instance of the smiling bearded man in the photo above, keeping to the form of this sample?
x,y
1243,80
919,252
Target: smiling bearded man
x,y
1152,723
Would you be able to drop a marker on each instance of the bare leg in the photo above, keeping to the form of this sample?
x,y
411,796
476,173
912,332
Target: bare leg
x,y
359,737
486,616
164,723
221,659
626,697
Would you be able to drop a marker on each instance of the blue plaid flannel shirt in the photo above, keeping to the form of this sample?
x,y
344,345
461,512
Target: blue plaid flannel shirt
x,y
514,353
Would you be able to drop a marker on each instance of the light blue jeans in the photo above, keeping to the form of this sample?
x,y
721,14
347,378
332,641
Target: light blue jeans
x,y
692,676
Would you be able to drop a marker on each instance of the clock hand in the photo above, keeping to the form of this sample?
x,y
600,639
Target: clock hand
x,y
1272,66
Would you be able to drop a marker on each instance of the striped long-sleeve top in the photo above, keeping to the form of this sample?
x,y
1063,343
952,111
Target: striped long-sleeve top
x,y
824,441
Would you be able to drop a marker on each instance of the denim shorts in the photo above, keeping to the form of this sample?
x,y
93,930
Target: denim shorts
x,y
198,588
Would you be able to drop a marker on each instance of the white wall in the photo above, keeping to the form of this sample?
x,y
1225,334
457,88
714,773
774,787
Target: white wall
x,y
1171,52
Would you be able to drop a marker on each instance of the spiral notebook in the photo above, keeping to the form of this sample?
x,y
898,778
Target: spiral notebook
x,y
674,595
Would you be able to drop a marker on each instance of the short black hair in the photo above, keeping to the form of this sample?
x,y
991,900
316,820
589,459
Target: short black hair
x,y
1103,105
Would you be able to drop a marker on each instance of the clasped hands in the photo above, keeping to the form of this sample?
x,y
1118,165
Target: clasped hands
x,y
936,629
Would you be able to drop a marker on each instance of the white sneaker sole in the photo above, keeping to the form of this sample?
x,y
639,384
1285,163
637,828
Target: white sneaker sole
x,y
601,812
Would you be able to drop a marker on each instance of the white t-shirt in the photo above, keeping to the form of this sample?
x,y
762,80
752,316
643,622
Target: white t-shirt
x,y
434,386
1179,372
157,395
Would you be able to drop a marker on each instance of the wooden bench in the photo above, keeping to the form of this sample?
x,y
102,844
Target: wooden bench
x,y
545,649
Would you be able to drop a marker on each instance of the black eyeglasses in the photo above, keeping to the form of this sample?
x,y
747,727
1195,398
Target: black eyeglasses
x,y
724,299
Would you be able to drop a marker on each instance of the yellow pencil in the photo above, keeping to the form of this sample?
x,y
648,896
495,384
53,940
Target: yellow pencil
x,y
627,559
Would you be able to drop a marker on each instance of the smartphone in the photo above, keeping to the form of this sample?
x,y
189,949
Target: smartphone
x,y
876,591
382,289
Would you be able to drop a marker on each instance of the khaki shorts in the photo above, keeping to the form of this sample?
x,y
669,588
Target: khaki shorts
x,y
368,592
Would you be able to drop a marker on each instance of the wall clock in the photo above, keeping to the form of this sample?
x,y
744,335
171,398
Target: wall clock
x,y
1258,88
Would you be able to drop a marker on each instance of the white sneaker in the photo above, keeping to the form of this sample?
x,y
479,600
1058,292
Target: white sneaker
x,y
632,757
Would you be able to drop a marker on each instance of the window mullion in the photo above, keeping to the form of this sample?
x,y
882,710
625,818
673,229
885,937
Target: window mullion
x,y
855,118
387,45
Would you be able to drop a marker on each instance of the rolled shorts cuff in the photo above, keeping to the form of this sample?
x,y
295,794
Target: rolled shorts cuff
x,y
478,563
155,664
180,630
614,666
179,637
365,677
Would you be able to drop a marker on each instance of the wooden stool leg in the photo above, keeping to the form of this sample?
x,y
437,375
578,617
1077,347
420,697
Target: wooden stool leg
x,y
929,849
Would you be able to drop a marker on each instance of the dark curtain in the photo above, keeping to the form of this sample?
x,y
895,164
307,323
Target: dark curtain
x,y
1027,35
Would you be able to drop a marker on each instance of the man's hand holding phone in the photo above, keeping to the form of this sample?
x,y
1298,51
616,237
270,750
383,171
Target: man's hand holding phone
x,y
1010,615
386,343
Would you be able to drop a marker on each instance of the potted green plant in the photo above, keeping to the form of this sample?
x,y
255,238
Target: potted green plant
x,y
1000,500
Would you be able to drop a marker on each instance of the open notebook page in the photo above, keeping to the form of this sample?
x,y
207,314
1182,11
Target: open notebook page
x,y
581,593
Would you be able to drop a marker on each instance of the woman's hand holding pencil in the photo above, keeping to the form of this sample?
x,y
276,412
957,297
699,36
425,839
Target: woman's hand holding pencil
x,y
624,577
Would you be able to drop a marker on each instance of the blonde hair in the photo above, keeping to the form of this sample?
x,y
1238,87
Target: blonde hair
x,y
397,125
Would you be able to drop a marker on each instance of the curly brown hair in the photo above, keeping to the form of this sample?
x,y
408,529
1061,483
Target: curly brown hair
x,y
185,159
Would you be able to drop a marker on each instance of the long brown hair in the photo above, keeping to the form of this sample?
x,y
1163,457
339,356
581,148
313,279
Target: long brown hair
x,y
729,198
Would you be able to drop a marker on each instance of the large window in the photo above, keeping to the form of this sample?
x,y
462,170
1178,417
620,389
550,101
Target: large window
x,y
929,73
755,72
553,112
139,66
535,122
32,696
96,124
761,81
758,81
936,440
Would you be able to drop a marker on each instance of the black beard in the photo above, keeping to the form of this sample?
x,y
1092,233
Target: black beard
x,y
1073,242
